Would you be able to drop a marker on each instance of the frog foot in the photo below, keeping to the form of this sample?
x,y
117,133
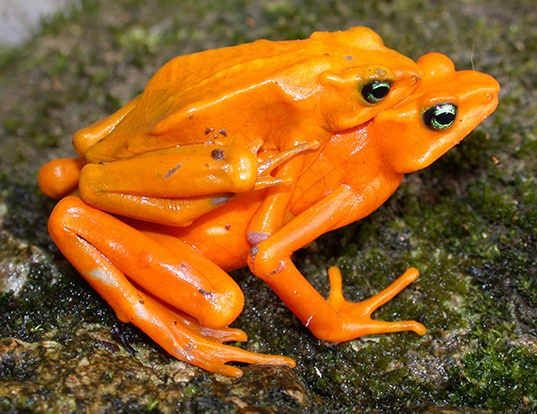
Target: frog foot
x,y
189,341
59,178
357,316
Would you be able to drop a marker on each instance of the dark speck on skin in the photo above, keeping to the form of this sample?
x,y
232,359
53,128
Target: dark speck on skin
x,y
217,154
173,170
204,292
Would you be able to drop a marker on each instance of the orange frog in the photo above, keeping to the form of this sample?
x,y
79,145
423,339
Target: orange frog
x,y
171,281
259,97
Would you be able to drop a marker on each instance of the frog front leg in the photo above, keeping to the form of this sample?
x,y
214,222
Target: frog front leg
x,y
176,185
271,214
333,319
168,293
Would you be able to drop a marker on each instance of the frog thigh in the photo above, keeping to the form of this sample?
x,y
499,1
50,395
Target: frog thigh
x,y
86,137
94,240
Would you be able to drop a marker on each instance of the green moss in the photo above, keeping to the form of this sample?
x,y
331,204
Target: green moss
x,y
497,376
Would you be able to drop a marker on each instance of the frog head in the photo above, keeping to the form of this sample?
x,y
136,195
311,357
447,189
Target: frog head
x,y
445,107
372,79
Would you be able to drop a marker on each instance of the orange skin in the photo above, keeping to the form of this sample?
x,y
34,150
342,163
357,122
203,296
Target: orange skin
x,y
182,296
283,93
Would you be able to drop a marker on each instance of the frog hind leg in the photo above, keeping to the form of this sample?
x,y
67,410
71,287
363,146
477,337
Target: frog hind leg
x,y
104,250
85,138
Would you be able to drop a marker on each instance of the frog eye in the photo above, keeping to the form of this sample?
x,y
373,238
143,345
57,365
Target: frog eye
x,y
440,116
376,91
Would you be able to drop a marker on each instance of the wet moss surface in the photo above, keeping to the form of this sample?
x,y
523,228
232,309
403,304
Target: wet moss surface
x,y
467,223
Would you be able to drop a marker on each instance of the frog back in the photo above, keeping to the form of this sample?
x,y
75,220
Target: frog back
x,y
237,94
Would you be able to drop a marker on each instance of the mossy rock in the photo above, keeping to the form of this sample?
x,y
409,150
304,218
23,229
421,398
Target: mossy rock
x,y
467,222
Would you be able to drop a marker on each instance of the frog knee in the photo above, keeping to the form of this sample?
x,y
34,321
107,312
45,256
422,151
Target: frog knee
x,y
223,308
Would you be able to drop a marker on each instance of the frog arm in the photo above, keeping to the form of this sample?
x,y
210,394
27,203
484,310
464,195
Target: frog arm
x,y
333,319
274,208
168,290
88,136
176,185
171,186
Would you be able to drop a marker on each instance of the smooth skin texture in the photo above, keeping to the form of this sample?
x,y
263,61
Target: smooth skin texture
x,y
182,296
284,93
